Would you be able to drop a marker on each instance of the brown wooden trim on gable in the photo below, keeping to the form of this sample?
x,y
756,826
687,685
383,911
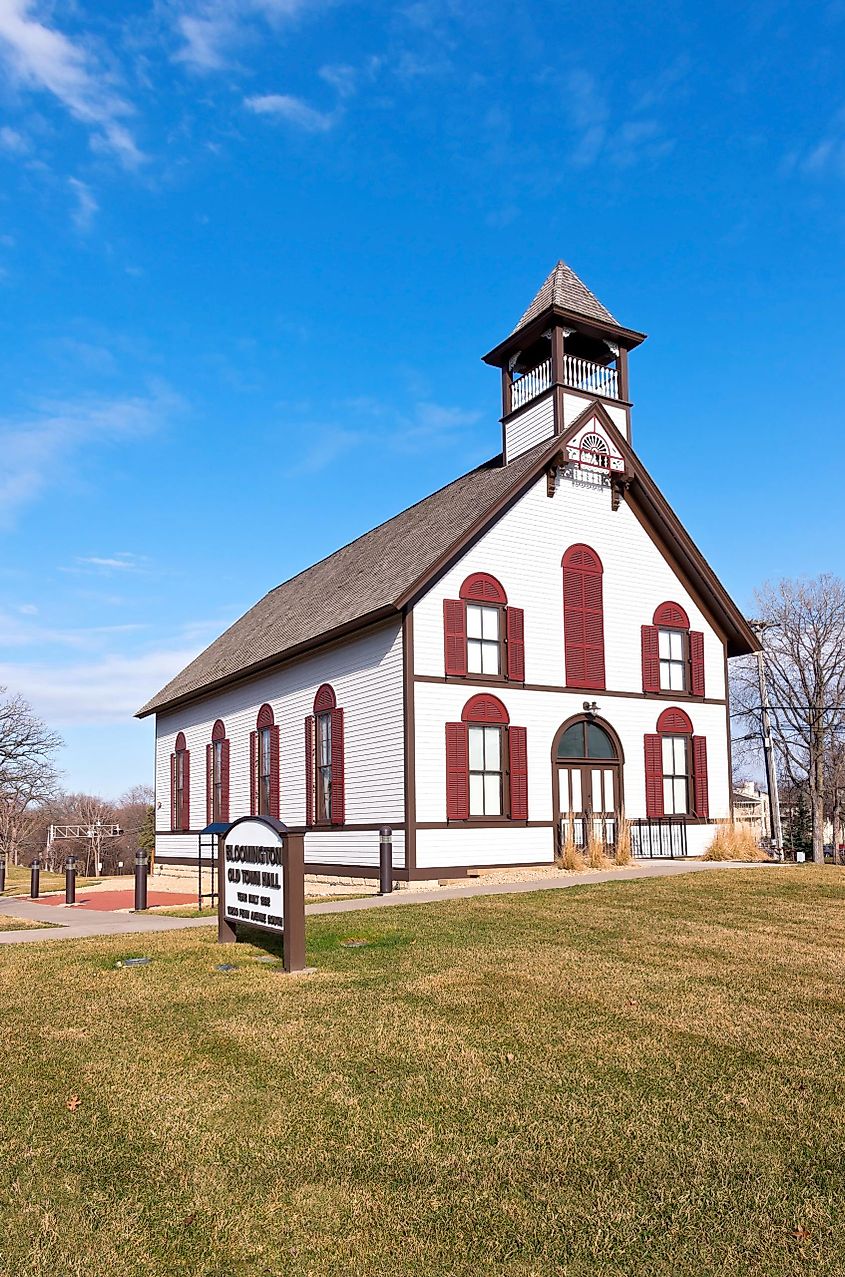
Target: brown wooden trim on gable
x,y
408,718
523,337
729,741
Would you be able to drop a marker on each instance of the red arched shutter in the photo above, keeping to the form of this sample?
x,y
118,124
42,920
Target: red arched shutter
x,y
515,626
696,662
651,658
338,801
518,752
653,776
224,780
185,816
173,791
699,776
253,773
275,797
457,771
209,783
583,618
310,769
455,636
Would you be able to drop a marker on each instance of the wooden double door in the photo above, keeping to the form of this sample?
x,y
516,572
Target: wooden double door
x,y
588,782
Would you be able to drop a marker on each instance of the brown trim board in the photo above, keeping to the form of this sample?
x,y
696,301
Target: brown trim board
x,y
409,727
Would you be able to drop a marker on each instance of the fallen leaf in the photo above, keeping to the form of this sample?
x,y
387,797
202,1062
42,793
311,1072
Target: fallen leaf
x,y
801,1234
74,1103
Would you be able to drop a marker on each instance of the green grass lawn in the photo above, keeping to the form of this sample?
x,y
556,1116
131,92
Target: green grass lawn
x,y
20,924
18,881
635,1079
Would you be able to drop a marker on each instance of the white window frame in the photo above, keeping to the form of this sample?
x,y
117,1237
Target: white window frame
x,y
672,653
484,640
676,775
486,771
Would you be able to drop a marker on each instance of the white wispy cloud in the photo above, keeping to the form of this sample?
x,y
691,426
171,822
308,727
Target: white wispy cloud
x,y
12,140
283,106
108,564
86,205
36,447
211,31
376,424
108,690
41,58
622,139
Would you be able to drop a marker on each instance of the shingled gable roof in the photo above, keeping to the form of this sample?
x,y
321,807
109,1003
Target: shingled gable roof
x,y
363,582
566,291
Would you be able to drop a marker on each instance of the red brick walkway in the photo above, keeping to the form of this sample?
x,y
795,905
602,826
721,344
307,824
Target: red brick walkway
x,y
121,899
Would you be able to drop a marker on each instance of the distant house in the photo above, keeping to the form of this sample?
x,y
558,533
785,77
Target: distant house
x,y
539,642
751,808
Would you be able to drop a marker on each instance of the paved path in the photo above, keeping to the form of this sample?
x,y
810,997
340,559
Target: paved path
x,y
71,925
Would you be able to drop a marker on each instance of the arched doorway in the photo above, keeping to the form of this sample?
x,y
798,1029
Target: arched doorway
x,y
587,779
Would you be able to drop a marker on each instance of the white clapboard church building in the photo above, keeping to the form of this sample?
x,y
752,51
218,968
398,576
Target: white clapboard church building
x,y
538,641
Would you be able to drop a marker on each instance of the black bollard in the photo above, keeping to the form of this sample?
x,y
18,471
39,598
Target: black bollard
x,y
142,868
35,879
2,872
70,880
385,850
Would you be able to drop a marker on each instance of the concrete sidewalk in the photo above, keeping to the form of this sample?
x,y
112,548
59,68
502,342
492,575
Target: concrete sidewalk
x,y
68,924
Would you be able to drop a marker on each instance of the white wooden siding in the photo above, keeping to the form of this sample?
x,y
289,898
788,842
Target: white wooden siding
x,y
457,848
541,714
574,404
531,426
366,674
524,551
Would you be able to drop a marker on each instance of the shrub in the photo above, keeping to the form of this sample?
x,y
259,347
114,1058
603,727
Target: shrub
x,y
734,842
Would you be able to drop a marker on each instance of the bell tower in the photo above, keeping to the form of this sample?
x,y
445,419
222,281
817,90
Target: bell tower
x,y
566,352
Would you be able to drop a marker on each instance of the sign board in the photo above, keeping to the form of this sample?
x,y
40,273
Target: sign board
x,y
251,881
261,879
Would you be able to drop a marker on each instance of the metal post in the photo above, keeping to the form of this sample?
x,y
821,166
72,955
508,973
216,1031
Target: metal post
x,y
385,849
142,868
70,880
768,755
2,872
35,879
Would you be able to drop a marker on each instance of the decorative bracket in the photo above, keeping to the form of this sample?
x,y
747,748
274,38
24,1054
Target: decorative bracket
x,y
619,485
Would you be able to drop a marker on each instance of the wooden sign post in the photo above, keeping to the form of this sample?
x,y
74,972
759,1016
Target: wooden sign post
x,y
261,885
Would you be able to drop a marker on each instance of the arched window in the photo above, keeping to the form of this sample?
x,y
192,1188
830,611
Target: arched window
x,y
672,653
217,776
180,785
325,789
583,618
264,765
483,637
486,764
676,768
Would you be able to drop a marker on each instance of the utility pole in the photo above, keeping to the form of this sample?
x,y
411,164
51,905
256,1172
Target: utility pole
x,y
768,748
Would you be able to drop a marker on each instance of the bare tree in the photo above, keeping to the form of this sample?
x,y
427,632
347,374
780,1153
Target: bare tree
x,y
97,816
28,772
803,627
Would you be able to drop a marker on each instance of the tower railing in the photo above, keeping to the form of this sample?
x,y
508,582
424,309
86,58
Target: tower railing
x,y
580,374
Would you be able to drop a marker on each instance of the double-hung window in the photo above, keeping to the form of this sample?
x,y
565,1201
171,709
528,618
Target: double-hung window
x,y
673,660
676,773
485,771
181,823
324,768
483,640
216,780
265,770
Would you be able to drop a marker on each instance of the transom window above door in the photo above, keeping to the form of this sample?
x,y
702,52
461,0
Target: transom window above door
x,y
585,740
483,640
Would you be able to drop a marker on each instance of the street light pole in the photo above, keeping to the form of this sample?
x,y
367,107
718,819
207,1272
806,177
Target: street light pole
x,y
775,826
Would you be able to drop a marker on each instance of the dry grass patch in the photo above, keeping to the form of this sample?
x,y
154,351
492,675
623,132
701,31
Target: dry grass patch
x,y
734,842
640,1077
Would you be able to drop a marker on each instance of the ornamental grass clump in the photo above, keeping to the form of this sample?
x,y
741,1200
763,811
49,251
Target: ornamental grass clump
x,y
734,842
570,857
624,856
595,850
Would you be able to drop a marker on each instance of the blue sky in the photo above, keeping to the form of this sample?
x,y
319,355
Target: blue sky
x,y
251,253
